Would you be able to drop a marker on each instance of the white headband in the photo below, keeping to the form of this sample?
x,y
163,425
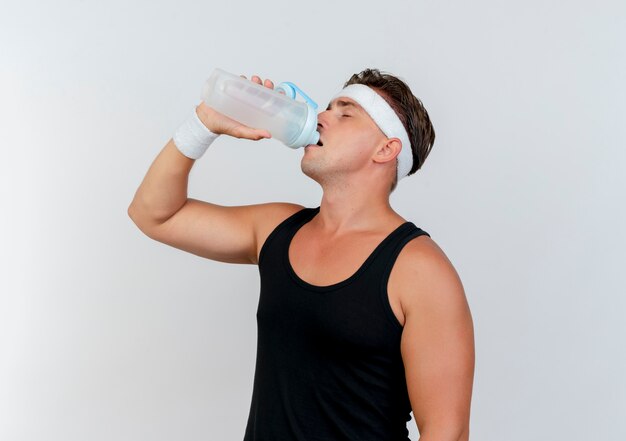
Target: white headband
x,y
385,118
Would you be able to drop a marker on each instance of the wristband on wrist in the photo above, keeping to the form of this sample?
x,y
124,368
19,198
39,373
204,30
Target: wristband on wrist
x,y
193,138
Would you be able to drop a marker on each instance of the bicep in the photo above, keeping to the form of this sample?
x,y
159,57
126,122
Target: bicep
x,y
221,233
438,350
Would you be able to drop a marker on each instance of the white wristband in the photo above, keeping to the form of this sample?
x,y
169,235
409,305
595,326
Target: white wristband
x,y
193,138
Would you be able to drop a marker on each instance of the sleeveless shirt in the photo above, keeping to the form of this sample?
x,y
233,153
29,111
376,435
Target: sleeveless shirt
x,y
328,361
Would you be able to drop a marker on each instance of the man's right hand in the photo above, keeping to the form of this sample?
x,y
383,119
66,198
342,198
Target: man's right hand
x,y
162,210
223,125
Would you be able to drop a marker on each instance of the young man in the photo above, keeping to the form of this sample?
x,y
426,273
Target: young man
x,y
361,317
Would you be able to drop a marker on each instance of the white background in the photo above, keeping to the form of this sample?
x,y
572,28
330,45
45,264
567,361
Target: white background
x,y
108,335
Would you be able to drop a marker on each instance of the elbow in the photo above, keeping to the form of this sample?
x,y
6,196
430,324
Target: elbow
x,y
132,213
146,224
136,217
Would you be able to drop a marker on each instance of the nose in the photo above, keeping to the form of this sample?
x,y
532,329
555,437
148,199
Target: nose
x,y
322,123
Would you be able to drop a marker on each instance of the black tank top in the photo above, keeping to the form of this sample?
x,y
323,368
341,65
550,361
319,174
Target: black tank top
x,y
328,361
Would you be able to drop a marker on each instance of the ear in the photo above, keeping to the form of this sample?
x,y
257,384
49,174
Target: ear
x,y
388,151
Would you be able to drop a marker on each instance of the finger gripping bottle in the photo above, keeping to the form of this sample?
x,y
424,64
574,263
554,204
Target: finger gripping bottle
x,y
292,122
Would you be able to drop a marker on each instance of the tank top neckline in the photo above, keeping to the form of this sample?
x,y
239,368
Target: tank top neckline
x,y
326,288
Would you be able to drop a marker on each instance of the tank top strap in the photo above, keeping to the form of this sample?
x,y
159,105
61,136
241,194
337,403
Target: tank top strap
x,y
286,228
380,270
401,237
387,256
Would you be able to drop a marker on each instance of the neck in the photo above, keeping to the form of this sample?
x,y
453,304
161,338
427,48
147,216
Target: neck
x,y
348,207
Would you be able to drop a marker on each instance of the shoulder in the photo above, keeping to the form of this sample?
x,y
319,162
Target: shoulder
x,y
272,211
424,278
269,216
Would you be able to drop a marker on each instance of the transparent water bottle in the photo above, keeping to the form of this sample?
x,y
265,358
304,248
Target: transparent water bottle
x,y
292,122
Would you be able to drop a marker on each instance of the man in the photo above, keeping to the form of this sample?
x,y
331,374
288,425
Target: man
x,y
361,318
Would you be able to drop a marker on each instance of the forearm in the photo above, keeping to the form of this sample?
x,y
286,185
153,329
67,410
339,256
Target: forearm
x,y
163,190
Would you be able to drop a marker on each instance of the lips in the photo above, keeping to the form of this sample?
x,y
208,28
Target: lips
x,y
319,144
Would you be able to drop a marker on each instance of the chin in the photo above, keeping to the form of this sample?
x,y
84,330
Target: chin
x,y
313,169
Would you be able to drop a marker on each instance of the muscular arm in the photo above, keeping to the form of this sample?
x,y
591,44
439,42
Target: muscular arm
x,y
162,210
437,342
163,190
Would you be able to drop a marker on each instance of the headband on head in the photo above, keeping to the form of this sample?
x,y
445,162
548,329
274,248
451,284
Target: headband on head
x,y
385,118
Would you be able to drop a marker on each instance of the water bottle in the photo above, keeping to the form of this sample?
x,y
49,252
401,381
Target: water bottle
x,y
292,122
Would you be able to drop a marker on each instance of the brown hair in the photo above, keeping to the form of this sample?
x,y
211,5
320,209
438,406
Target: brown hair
x,y
409,109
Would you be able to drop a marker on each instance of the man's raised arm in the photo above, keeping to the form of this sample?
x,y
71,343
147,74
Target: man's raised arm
x,y
162,210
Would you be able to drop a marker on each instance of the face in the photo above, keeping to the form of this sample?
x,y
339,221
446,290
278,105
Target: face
x,y
348,138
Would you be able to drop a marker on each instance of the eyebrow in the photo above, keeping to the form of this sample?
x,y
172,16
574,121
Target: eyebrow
x,y
343,103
